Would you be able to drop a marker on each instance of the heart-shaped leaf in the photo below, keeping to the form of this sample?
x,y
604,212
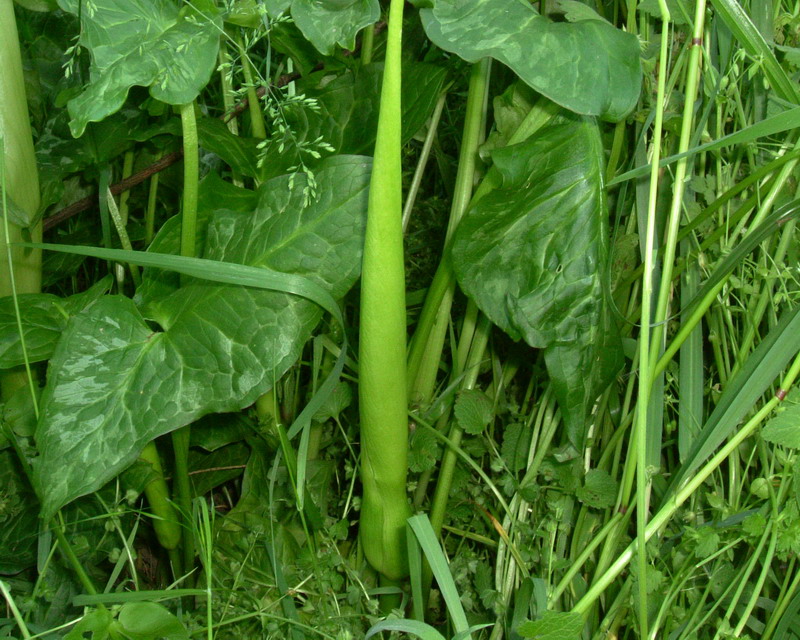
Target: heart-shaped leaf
x,y
327,23
532,254
586,66
147,43
115,383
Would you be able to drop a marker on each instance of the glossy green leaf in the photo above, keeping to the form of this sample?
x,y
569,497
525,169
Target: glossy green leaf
x,y
150,43
532,254
43,317
588,66
784,427
116,383
148,620
327,23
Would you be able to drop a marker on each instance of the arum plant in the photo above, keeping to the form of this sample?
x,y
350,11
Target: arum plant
x,y
382,336
21,184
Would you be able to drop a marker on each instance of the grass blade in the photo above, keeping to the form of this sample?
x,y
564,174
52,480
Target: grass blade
x,y
437,561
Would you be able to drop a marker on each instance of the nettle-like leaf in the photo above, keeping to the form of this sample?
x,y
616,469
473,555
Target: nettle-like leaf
x,y
599,489
587,66
473,410
784,427
116,383
160,44
532,254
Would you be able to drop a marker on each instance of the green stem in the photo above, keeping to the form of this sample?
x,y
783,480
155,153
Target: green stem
x,y
645,379
257,126
367,44
181,437
150,213
382,336
166,523
428,342
674,502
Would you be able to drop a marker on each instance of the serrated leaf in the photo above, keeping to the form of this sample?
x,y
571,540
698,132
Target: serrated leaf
x,y
653,577
147,43
784,427
599,489
516,441
115,383
553,625
588,67
532,254
423,451
706,541
473,410
327,23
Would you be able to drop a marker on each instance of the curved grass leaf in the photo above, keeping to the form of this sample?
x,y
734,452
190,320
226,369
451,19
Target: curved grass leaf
x,y
588,67
115,383
532,255
414,627
741,394
148,43
425,536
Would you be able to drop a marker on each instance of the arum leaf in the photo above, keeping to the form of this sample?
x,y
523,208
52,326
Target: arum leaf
x,y
586,66
532,254
147,43
327,23
43,317
116,383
